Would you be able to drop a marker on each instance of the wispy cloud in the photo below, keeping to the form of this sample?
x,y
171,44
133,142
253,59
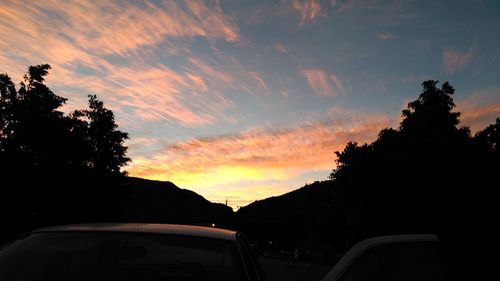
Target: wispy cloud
x,y
337,83
385,35
259,156
454,60
117,26
78,38
323,84
480,109
262,84
280,48
479,117
308,10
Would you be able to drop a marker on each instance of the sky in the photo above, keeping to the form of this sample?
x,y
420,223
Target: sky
x,y
242,100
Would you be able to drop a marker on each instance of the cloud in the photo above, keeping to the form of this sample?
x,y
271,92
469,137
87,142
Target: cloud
x,y
280,48
260,81
454,60
212,73
477,118
84,40
113,27
480,109
198,81
321,82
337,83
259,157
385,36
117,26
308,10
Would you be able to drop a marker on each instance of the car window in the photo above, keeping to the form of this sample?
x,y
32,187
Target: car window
x,y
82,256
416,261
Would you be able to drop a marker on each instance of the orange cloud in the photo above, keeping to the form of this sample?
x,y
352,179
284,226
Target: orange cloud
x,y
321,82
479,118
77,35
117,26
480,109
258,157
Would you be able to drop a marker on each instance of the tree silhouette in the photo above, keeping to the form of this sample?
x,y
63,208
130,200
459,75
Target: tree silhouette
x,y
432,112
489,138
428,175
32,126
106,142
55,168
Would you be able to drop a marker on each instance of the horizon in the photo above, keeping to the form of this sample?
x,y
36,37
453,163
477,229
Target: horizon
x,y
244,101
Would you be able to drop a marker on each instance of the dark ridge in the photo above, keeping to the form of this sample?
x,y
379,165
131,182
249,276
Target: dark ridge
x,y
295,222
162,201
300,203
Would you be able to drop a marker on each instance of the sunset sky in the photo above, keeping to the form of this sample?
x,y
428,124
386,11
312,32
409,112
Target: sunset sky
x,y
242,100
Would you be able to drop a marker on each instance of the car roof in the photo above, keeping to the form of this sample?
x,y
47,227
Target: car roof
x,y
363,246
175,229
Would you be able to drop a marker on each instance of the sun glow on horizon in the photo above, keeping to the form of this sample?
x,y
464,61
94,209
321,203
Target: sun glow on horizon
x,y
242,100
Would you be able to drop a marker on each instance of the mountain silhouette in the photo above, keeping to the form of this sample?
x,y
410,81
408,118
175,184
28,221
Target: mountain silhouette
x,y
162,201
295,221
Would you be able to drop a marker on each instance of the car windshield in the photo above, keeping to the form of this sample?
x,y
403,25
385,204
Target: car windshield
x,y
75,256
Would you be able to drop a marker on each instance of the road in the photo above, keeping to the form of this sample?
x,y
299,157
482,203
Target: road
x,y
290,270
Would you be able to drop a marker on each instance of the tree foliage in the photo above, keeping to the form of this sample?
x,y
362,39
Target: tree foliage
x,y
55,165
106,142
34,128
428,175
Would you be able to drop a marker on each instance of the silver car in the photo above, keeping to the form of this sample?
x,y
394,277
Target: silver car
x,y
140,252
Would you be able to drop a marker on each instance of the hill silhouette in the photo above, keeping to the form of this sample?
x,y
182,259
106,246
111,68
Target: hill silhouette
x,y
58,168
429,175
295,220
300,203
162,201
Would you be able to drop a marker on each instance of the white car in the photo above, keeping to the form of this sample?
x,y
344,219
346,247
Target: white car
x,y
139,252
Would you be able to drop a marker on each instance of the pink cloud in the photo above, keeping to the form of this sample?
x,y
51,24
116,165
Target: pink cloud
x,y
260,82
337,82
480,109
280,48
78,34
308,10
319,82
198,81
323,84
479,117
203,67
454,60
385,36
117,26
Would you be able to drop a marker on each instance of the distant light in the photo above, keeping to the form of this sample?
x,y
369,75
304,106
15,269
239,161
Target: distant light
x,y
213,224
